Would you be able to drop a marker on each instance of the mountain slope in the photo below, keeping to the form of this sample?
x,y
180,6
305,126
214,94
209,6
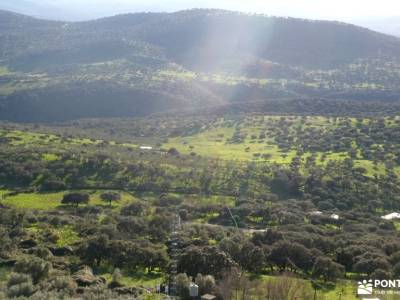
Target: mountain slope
x,y
155,62
208,37
211,36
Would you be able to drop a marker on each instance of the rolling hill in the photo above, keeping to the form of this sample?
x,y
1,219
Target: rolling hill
x,y
198,58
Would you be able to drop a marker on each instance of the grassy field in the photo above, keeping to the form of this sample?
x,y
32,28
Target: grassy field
x,y
65,235
342,290
52,200
28,139
213,142
35,200
217,140
173,75
345,290
48,201
254,141
146,280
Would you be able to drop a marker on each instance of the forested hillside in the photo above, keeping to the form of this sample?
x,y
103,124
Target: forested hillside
x,y
198,58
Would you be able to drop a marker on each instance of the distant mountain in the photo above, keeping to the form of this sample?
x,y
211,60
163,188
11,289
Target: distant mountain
x,y
204,38
200,57
215,36
27,7
50,9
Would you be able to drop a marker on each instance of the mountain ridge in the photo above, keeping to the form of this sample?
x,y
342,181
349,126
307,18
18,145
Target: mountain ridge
x,y
197,55
180,34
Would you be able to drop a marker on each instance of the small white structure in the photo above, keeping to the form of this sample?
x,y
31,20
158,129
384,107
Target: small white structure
x,y
193,290
208,297
334,216
392,216
146,148
316,212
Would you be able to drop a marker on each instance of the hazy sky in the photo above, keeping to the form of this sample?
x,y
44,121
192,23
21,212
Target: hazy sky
x,y
317,9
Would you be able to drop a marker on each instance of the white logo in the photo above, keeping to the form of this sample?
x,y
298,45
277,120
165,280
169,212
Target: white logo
x,y
365,287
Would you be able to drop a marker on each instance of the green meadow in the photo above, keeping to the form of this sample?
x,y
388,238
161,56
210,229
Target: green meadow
x,y
50,201
217,141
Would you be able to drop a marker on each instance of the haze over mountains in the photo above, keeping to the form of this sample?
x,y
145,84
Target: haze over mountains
x,y
389,25
143,63
381,18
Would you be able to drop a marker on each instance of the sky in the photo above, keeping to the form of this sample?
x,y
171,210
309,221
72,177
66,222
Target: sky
x,y
343,10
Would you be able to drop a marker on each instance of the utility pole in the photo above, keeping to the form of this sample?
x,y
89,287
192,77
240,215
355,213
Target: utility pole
x,y
174,251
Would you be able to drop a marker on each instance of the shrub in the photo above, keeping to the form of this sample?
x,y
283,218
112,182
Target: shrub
x,y
75,198
34,266
63,283
16,278
53,185
110,197
20,285
182,285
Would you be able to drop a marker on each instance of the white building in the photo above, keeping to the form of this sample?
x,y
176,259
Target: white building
x,y
334,216
146,148
392,216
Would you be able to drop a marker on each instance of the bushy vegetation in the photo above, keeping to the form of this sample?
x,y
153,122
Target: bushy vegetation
x,y
268,204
